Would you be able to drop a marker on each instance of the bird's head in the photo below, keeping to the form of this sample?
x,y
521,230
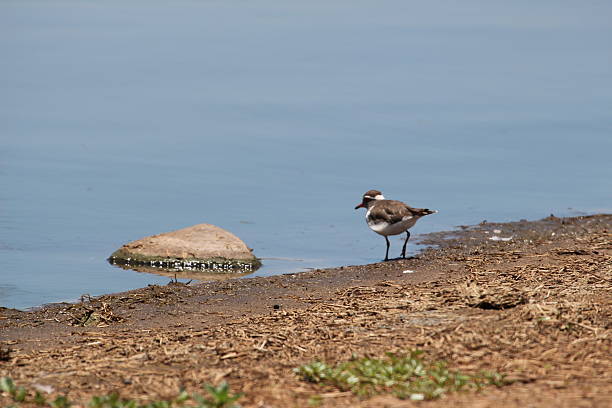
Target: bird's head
x,y
369,197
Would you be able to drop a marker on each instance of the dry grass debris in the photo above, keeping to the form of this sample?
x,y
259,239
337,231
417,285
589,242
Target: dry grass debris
x,y
537,309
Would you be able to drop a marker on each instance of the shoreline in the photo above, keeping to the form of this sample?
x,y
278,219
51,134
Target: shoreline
x,y
466,283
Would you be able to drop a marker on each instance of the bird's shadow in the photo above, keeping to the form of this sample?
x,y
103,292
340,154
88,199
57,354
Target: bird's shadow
x,y
399,258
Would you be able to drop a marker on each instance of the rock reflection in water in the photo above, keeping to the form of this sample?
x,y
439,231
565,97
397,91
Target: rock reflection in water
x,y
200,274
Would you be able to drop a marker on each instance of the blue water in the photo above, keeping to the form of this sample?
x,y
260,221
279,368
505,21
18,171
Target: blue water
x,y
121,119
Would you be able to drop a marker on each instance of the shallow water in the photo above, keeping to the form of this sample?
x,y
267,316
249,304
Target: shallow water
x,y
271,119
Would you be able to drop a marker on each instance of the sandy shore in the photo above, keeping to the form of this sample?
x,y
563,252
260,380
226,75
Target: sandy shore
x,y
536,308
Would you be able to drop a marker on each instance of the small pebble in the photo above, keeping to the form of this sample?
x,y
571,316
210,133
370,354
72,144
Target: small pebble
x,y
496,238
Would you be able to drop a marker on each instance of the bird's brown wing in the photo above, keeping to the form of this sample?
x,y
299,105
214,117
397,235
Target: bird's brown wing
x,y
389,211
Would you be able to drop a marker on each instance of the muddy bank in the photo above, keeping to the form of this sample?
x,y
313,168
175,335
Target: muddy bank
x,y
536,307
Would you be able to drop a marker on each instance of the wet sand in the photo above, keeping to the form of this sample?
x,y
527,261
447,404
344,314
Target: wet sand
x,y
536,307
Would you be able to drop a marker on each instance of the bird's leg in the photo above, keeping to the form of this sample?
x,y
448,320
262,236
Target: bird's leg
x,y
387,253
405,242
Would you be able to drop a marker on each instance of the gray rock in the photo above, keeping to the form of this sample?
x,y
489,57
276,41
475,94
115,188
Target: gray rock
x,y
200,247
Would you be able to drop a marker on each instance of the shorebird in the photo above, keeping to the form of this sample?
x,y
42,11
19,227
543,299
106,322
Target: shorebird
x,y
390,217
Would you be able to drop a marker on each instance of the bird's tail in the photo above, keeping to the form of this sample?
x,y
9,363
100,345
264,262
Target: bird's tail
x,y
424,211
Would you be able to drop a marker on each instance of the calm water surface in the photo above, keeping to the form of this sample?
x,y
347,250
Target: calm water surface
x,y
270,119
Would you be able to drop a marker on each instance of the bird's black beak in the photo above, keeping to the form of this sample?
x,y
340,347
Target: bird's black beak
x,y
360,206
